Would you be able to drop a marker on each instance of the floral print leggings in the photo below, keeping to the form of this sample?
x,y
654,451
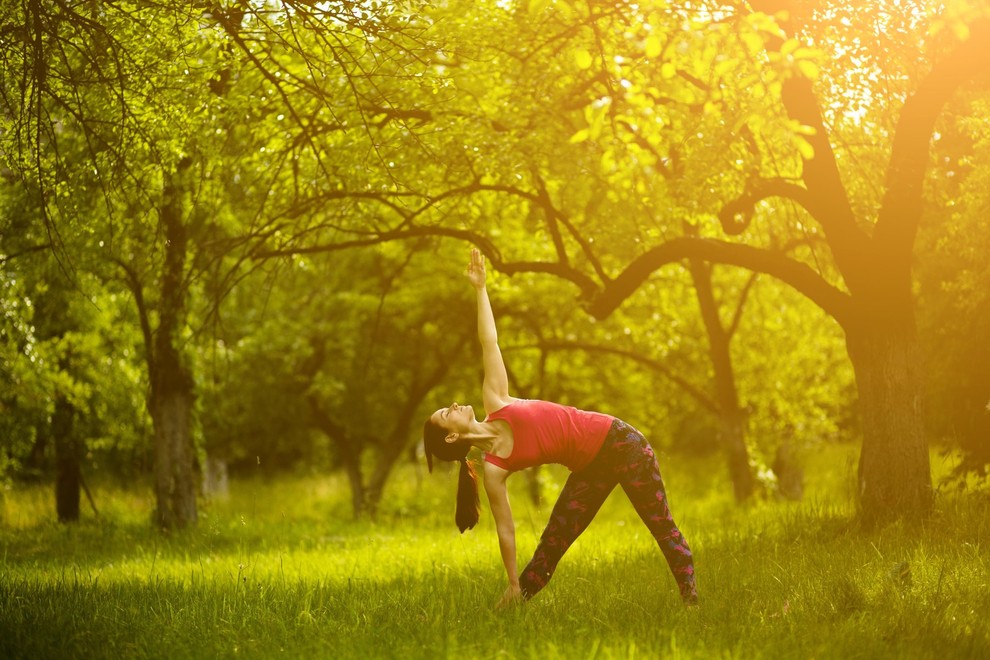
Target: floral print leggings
x,y
625,458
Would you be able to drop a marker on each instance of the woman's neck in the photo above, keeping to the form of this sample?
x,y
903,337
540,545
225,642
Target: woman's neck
x,y
484,436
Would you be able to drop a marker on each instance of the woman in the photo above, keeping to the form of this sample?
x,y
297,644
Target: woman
x,y
600,450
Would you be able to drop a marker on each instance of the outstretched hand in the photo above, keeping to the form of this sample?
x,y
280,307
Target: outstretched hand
x,y
512,596
476,269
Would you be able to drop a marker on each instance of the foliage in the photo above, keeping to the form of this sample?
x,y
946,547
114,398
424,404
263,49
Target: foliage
x,y
803,392
953,286
93,366
23,397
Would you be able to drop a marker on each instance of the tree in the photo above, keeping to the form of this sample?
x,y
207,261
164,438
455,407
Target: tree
x,y
877,311
75,392
357,346
96,115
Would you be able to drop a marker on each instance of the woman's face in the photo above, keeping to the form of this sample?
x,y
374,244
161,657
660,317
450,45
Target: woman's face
x,y
455,418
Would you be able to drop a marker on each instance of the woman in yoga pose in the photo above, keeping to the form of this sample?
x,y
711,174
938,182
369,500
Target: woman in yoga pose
x,y
600,450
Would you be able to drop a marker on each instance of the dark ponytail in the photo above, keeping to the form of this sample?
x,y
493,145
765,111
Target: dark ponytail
x,y
435,444
468,508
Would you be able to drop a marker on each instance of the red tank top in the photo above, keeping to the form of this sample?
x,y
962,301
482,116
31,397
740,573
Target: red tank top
x,y
545,432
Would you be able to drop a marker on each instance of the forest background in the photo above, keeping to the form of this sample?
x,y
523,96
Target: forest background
x,y
233,234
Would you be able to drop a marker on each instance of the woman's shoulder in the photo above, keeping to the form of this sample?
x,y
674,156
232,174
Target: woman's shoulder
x,y
500,405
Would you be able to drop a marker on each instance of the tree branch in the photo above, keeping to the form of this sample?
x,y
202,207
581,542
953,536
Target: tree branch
x,y
137,290
543,200
4,258
827,199
737,214
741,305
801,277
551,213
696,393
586,284
900,211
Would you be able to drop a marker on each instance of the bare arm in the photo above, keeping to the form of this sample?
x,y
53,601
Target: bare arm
x,y
498,499
495,391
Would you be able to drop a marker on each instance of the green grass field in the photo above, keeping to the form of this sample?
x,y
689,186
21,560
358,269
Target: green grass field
x,y
278,569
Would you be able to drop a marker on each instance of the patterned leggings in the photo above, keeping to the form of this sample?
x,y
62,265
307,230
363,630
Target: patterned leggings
x,y
625,458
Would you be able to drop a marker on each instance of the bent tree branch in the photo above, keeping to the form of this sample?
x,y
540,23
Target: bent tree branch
x,y
654,365
799,276
564,271
736,215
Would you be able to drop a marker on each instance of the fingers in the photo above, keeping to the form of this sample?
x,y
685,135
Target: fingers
x,y
475,270
477,263
511,597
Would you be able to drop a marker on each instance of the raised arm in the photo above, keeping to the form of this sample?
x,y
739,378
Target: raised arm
x,y
498,500
495,391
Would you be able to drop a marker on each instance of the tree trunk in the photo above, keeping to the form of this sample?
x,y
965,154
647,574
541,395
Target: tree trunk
x,y
379,478
373,499
359,497
216,481
731,417
398,439
175,485
349,455
790,473
34,464
894,468
733,436
172,385
68,476
533,485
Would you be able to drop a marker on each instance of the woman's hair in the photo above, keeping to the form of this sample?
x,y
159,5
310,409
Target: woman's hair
x,y
435,444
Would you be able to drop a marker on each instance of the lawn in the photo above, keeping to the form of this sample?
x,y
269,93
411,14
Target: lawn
x,y
279,569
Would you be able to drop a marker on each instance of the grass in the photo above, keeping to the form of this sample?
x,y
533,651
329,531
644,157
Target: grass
x,y
278,569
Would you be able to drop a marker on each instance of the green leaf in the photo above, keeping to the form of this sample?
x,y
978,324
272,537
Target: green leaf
x,y
753,41
808,69
608,160
653,46
723,67
582,58
580,136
